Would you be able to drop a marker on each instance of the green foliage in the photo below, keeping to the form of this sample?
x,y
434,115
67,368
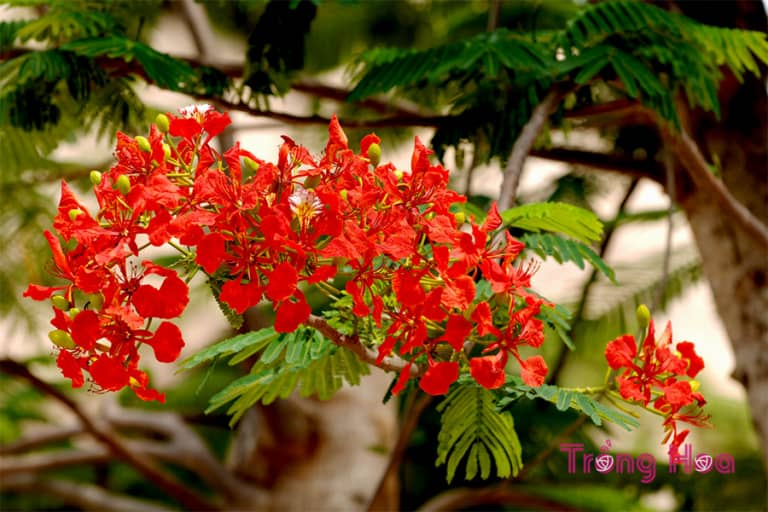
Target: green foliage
x,y
563,249
472,427
558,319
565,399
302,360
570,220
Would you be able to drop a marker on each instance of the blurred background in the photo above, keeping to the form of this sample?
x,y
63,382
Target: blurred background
x,y
282,68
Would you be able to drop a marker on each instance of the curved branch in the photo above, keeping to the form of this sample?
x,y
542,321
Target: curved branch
x,y
367,355
465,497
103,434
693,161
523,145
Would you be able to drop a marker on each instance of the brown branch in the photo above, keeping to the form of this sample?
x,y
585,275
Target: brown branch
x,y
689,155
38,438
102,433
604,161
84,496
523,145
367,355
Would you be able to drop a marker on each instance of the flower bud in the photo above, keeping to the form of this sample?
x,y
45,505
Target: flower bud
x,y
695,385
374,154
643,316
143,144
95,300
399,174
343,193
123,184
166,151
60,302
74,312
61,339
460,217
74,213
95,177
162,122
251,164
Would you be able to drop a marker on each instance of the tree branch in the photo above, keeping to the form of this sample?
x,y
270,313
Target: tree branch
x,y
102,433
84,496
604,161
41,437
694,162
523,145
465,497
389,363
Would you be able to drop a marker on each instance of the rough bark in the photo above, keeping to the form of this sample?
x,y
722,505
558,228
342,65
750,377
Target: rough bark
x,y
734,262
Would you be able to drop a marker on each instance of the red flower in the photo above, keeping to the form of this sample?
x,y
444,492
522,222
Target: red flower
x,y
534,370
108,373
456,332
439,377
289,314
621,352
281,282
488,371
168,301
167,342
70,367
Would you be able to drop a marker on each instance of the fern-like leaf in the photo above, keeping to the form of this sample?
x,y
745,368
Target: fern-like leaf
x,y
472,427
563,249
567,219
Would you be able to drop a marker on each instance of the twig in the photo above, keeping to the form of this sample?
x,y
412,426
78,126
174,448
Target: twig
x,y
410,423
30,441
166,482
523,145
389,363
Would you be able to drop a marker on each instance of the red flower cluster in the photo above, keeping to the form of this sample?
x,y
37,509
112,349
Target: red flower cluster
x,y
660,375
262,229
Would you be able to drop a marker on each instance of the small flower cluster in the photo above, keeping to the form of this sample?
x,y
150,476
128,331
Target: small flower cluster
x,y
261,229
659,376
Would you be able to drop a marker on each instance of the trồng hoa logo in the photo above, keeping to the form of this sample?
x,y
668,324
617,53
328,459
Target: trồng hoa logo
x,y
645,463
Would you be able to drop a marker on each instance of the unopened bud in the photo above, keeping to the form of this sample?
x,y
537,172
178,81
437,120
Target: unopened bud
x,y
166,151
374,154
74,213
695,385
61,339
162,122
343,193
251,164
643,316
143,144
60,302
311,182
399,174
74,312
95,300
123,184
460,217
95,177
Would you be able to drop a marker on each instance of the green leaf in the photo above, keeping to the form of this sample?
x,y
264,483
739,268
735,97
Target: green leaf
x,y
258,339
471,425
567,219
563,249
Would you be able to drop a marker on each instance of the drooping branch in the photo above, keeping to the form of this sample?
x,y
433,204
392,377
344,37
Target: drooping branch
x,y
39,438
367,355
604,161
465,497
117,446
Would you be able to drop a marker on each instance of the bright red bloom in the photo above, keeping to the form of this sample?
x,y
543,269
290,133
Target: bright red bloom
x,y
439,377
167,342
533,370
168,301
108,373
281,282
70,367
488,371
289,315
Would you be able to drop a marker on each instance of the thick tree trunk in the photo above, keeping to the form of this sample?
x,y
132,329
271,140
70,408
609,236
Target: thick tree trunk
x,y
734,263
